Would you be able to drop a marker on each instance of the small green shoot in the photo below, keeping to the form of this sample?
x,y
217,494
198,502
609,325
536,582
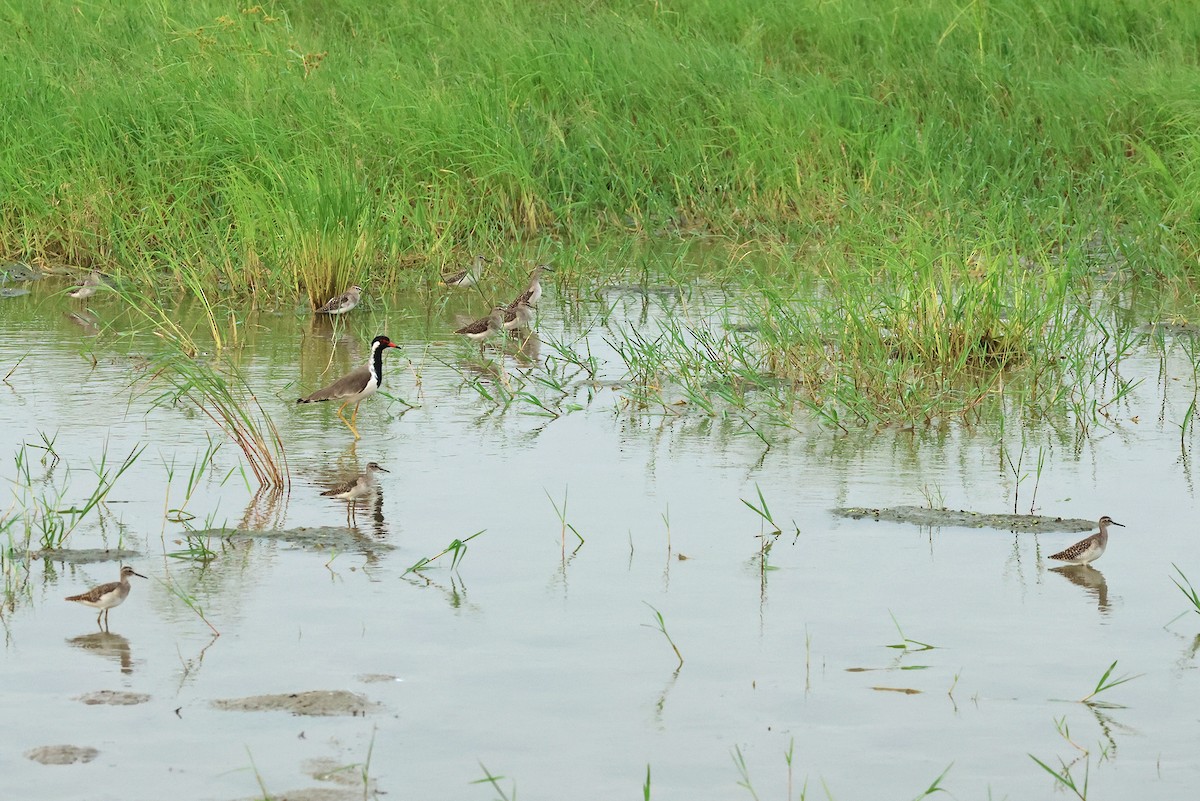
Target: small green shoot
x,y
494,781
1105,684
739,759
1064,777
458,548
936,786
905,642
562,518
661,625
1187,589
761,510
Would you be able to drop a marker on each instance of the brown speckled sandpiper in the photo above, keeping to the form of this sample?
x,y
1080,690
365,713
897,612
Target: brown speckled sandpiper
x,y
354,386
359,486
89,286
518,314
467,277
106,596
343,302
1090,549
483,328
533,291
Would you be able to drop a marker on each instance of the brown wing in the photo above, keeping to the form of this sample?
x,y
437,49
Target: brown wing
x,y
454,278
96,593
341,488
334,304
477,327
351,383
1074,551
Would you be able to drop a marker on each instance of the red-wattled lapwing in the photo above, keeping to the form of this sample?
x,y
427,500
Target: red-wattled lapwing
x,y
1090,549
483,328
106,596
343,302
361,486
89,286
533,292
467,277
359,383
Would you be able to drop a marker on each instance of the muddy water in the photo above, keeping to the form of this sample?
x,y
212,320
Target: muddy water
x,y
543,662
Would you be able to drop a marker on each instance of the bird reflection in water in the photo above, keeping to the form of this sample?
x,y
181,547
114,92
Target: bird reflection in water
x,y
106,644
1092,581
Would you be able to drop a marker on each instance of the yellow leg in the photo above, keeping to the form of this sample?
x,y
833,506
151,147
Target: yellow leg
x,y
349,423
353,419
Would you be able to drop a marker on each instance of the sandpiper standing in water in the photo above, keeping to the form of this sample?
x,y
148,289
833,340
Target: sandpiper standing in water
x,y
343,302
533,291
518,314
483,328
106,596
467,277
1090,549
89,286
359,487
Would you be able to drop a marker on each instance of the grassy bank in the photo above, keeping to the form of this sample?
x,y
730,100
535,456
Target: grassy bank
x,y
290,146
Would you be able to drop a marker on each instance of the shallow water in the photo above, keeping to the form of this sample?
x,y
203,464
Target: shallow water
x,y
543,662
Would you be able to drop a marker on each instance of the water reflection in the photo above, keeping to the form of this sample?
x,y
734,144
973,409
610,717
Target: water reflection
x,y
455,594
266,509
86,320
1092,581
106,644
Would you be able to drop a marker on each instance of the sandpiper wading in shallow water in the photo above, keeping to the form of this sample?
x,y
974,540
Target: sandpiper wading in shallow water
x,y
106,596
1090,549
343,302
518,314
467,277
533,291
357,488
354,386
483,328
89,286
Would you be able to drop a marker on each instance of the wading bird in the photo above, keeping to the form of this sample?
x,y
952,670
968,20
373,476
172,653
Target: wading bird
x,y
1090,549
467,277
483,328
343,302
354,386
357,488
106,596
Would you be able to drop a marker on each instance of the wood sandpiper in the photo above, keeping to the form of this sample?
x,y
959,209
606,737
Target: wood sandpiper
x,y
89,286
483,328
343,302
467,277
1090,549
533,291
106,596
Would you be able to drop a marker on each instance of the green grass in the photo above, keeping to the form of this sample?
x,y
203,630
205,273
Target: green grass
x,y
929,212
290,146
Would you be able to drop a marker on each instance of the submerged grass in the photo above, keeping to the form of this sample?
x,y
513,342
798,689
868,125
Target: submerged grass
x,y
285,147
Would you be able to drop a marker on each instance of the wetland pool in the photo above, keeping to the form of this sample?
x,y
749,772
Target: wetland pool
x,y
539,658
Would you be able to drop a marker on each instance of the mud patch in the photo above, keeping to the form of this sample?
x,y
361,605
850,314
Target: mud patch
x,y
113,698
318,703
84,556
319,538
62,754
377,678
924,516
